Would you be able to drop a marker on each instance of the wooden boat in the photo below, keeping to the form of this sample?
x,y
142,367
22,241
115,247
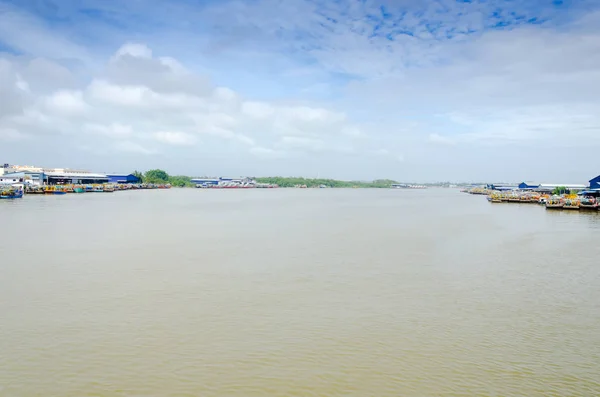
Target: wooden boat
x,y
571,204
89,188
98,189
554,203
588,203
108,189
11,192
78,189
34,190
48,189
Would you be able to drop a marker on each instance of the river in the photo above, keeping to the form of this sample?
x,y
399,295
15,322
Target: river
x,y
296,292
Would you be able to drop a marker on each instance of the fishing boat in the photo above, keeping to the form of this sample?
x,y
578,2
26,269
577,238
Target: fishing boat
x,y
555,203
68,189
89,188
60,190
11,192
571,204
108,189
34,190
78,189
54,190
588,203
98,189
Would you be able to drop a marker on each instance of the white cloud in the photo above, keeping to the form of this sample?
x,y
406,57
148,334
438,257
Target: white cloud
x,y
115,130
136,109
175,138
69,102
133,49
302,143
441,140
257,110
133,147
9,134
267,153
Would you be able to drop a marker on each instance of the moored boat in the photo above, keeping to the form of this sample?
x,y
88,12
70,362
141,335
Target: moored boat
x,y
11,192
34,190
588,203
78,189
555,203
571,204
98,189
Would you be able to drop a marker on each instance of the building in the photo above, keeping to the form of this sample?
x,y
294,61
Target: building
x,y
123,178
549,187
528,186
25,177
224,182
62,178
501,186
595,183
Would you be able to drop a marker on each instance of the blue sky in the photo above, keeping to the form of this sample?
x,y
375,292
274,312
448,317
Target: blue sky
x,y
423,91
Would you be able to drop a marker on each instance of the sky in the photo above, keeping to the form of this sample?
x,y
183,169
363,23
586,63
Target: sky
x,y
416,91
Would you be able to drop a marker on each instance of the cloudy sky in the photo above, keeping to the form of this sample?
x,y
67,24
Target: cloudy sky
x,y
351,89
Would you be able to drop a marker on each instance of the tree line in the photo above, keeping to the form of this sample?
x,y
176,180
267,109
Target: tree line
x,y
158,176
316,182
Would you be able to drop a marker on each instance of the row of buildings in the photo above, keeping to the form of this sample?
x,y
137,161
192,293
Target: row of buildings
x,y
224,182
30,175
592,186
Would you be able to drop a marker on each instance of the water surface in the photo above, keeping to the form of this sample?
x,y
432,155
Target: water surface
x,y
296,292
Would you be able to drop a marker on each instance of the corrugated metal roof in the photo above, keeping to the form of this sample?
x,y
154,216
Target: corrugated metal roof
x,y
75,175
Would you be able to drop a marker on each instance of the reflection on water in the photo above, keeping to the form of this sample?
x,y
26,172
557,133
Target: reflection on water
x,y
304,292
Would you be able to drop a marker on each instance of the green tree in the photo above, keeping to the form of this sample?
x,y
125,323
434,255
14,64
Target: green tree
x,y
180,181
293,181
560,190
138,174
156,176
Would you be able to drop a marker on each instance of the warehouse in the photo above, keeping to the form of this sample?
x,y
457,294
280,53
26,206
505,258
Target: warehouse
x,y
123,178
26,177
64,178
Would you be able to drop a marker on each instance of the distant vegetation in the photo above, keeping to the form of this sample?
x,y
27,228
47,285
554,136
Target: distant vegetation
x,y
291,182
161,177
560,190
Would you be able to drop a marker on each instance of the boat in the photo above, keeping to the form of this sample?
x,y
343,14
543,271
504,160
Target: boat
x,y
571,204
54,190
60,190
89,188
98,189
34,190
555,203
11,192
108,189
588,203
78,189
